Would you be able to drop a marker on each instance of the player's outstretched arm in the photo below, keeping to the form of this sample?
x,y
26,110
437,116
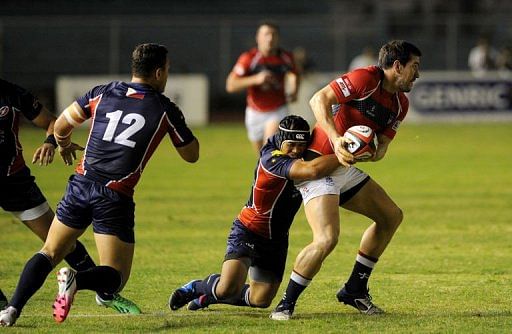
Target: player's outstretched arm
x,y
72,116
314,169
45,153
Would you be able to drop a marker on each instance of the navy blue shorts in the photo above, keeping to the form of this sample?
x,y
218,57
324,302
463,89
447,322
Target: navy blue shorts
x,y
266,254
87,201
19,192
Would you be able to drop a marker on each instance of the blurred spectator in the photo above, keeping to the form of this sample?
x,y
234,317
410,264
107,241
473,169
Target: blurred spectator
x,y
504,62
366,58
482,57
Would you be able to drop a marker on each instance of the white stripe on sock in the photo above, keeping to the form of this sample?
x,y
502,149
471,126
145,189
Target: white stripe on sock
x,y
214,287
299,279
365,261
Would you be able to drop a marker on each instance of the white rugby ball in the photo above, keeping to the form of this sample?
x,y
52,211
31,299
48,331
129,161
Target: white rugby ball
x,y
363,141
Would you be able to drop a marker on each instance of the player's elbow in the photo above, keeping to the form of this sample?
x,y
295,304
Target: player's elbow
x,y
190,152
230,87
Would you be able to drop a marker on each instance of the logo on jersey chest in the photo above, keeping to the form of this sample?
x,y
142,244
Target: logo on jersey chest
x,y
4,111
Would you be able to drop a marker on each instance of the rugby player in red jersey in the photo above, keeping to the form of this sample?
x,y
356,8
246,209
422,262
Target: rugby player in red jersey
x,y
258,241
129,120
372,96
262,71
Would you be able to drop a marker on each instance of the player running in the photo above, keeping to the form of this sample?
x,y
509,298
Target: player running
x,y
129,120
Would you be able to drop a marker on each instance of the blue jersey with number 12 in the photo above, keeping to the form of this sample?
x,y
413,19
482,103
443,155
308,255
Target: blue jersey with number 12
x,y
129,120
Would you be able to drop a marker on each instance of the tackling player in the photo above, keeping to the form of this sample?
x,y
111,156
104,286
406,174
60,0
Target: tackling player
x,y
372,96
19,194
261,71
129,120
258,241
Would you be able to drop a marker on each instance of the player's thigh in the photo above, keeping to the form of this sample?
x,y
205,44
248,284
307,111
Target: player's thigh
x,y
40,225
322,213
61,239
115,253
373,202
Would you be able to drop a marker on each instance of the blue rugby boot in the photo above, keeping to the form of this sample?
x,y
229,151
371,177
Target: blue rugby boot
x,y
182,296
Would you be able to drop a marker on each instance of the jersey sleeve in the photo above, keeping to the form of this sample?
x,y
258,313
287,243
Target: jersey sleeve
x,y
242,65
391,130
277,163
86,101
352,85
179,132
29,105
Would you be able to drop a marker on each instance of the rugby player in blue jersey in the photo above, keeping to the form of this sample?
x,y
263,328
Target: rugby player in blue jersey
x,y
129,120
19,193
258,241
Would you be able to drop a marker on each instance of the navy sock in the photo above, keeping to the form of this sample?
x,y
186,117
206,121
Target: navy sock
x,y
79,259
296,286
358,280
32,278
207,286
242,300
104,280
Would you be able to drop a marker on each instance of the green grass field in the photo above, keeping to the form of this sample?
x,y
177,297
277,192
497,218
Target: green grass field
x,y
448,269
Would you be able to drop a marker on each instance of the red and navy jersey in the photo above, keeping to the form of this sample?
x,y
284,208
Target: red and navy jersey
x,y
265,97
129,120
362,101
274,200
14,101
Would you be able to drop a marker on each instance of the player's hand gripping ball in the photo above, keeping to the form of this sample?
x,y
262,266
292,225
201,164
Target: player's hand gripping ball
x,y
363,142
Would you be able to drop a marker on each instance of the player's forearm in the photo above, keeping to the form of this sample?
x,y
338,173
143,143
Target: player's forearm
x,y
236,84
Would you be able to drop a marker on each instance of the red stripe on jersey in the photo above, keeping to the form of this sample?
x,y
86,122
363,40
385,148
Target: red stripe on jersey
x,y
266,191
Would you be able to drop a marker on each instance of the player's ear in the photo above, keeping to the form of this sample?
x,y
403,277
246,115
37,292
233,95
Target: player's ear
x,y
398,66
159,71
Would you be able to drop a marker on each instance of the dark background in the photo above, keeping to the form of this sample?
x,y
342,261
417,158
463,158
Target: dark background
x,y
40,40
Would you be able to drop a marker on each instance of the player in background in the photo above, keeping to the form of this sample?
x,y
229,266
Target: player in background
x,y
258,242
372,96
19,194
129,120
262,71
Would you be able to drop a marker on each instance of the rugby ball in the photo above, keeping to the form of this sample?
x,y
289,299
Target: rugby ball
x,y
363,141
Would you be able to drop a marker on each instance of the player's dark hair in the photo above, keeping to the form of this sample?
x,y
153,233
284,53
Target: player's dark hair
x,y
397,50
268,23
147,58
293,128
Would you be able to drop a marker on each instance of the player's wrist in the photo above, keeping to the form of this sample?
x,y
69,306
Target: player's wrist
x,y
51,140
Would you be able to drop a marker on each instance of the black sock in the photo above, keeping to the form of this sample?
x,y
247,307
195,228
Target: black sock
x,y
79,259
207,286
2,296
104,280
32,278
296,286
358,280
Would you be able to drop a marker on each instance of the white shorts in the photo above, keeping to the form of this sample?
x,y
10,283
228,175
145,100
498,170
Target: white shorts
x,y
255,121
33,213
340,181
